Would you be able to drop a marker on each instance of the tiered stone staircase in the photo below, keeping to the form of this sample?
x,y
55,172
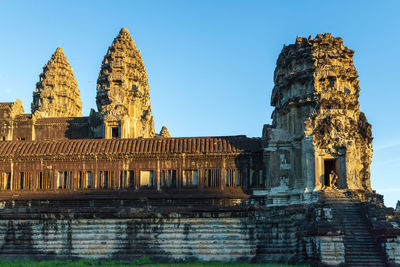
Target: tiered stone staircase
x,y
361,246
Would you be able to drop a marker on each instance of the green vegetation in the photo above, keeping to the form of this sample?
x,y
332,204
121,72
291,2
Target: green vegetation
x,y
144,261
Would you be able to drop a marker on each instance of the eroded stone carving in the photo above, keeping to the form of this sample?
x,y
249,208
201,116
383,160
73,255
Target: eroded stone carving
x,y
123,93
317,116
57,93
164,132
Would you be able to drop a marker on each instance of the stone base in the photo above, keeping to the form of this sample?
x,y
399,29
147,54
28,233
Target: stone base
x,y
246,230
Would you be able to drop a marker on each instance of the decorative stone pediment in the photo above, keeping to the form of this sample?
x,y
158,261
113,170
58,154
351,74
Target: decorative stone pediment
x,y
117,113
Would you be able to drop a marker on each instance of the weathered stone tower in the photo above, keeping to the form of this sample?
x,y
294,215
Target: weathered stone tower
x,y
317,125
57,93
123,93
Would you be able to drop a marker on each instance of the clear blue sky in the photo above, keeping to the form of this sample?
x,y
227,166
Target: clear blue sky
x,y
210,63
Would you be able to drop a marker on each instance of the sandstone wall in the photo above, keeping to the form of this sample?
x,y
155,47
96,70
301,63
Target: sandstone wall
x,y
217,239
97,230
164,230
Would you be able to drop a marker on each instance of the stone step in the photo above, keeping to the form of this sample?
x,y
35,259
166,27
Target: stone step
x,y
361,245
361,251
359,228
364,260
366,264
356,232
361,240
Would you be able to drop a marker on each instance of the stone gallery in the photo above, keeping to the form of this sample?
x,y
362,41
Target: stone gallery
x,y
106,186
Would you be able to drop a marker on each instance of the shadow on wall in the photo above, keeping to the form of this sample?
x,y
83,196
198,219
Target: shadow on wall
x,y
78,128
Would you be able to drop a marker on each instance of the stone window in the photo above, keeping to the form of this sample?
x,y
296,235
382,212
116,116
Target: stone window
x,y
131,179
80,180
62,181
8,185
25,180
230,177
104,179
6,181
22,180
146,178
164,178
46,180
39,184
238,183
123,179
168,178
50,180
89,179
85,179
190,178
212,177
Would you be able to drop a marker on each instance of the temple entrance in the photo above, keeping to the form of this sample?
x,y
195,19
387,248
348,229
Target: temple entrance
x,y
329,165
115,132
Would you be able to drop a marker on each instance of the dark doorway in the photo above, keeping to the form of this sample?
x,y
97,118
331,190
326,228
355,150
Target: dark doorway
x,y
115,132
329,165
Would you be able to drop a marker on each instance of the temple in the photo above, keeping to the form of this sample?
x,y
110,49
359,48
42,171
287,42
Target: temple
x,y
224,198
317,126
123,101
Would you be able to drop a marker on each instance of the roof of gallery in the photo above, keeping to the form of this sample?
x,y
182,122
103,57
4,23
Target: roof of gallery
x,y
228,144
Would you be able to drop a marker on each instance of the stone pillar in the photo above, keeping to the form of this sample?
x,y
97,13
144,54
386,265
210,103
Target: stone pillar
x,y
158,175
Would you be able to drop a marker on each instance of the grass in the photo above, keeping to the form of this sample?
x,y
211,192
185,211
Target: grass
x,y
144,261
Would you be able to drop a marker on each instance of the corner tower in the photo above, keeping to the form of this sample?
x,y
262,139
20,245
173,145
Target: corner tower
x,y
317,124
57,93
123,93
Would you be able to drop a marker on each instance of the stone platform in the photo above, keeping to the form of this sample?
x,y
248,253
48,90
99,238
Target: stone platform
x,y
339,229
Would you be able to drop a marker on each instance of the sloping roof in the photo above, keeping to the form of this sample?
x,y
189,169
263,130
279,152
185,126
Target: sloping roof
x,y
6,104
23,117
229,144
62,120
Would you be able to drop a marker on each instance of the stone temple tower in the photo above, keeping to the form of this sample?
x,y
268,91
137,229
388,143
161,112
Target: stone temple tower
x,y
123,94
57,93
317,124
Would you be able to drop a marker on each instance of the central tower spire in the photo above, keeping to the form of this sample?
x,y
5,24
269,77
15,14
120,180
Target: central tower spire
x,y
123,93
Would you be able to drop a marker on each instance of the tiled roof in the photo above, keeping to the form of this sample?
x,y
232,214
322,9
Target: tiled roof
x,y
62,120
6,104
23,117
228,144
